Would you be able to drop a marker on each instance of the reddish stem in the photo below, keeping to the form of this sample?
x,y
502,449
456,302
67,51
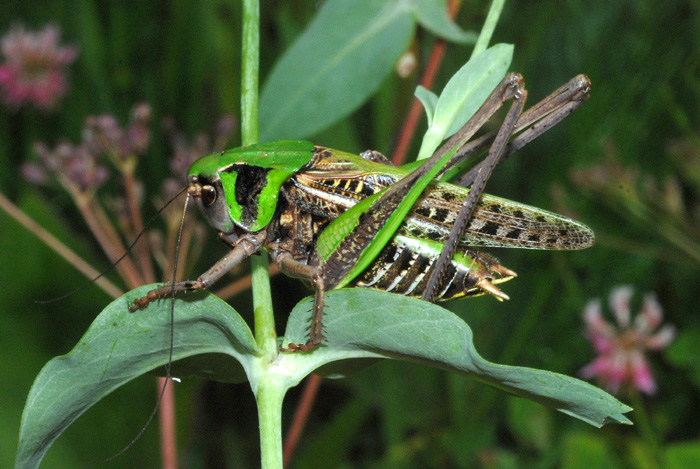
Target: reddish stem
x,y
306,402
414,113
144,258
58,247
241,284
166,417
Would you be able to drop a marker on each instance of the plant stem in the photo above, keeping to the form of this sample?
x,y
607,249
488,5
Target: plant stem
x,y
416,110
131,196
249,72
489,26
59,248
265,333
306,403
269,393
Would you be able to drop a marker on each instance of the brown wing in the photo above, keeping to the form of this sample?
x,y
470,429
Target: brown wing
x,y
335,181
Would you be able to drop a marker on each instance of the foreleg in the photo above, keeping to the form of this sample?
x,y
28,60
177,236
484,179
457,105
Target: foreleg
x,y
246,246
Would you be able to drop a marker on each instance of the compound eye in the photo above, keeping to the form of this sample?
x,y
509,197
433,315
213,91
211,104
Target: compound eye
x,y
208,195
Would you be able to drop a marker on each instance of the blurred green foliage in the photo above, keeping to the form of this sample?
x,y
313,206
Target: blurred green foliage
x,y
643,58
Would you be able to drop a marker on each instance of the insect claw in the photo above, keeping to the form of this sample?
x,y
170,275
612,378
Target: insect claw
x,y
489,287
305,347
502,271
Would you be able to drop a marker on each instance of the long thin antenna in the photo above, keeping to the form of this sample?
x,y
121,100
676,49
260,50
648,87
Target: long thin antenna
x,y
126,253
168,377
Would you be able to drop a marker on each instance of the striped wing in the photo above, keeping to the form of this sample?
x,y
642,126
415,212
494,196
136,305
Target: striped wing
x,y
496,222
339,180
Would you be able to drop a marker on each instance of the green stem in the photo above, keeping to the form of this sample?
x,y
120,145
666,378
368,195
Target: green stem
x,y
489,26
269,396
268,391
265,333
250,63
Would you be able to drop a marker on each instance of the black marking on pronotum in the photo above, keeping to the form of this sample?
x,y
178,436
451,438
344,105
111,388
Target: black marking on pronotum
x,y
250,182
126,253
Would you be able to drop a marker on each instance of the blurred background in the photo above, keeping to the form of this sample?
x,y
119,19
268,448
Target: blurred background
x,y
155,83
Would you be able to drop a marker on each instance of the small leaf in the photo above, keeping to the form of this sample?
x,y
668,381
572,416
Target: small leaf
x,y
118,347
334,66
429,101
366,323
465,93
432,15
473,86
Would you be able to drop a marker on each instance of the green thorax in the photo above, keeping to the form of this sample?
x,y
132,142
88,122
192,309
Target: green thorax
x,y
252,176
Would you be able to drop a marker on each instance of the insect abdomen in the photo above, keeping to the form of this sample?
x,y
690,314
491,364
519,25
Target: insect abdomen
x,y
402,265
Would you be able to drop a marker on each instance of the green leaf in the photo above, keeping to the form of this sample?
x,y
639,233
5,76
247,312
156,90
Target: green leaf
x,y
118,347
429,101
472,86
432,15
465,93
366,323
334,66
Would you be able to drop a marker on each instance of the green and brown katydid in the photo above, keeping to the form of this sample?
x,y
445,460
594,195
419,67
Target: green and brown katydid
x,y
335,219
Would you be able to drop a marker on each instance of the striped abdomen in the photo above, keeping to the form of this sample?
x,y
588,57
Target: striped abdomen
x,y
402,265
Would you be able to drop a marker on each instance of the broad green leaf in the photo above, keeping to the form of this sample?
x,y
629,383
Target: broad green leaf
x,y
429,101
118,347
432,15
465,93
334,66
367,323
